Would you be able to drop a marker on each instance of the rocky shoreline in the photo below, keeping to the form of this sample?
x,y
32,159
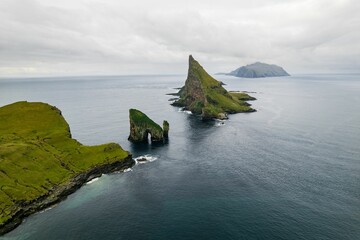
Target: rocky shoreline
x,y
60,192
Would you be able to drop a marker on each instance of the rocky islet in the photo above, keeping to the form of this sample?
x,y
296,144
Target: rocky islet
x,y
206,96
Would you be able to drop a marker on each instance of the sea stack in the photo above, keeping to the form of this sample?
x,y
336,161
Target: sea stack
x,y
166,128
204,95
141,126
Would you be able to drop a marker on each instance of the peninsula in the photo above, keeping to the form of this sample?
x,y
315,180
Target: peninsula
x,y
259,70
40,164
204,95
141,126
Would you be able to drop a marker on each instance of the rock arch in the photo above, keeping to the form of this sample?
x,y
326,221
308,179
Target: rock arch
x,y
141,126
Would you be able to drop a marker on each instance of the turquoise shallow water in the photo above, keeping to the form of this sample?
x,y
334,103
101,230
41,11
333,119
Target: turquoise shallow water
x,y
289,171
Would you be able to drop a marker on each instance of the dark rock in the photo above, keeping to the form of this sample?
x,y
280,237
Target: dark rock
x,y
166,129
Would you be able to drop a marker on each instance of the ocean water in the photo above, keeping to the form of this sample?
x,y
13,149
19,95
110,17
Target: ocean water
x,y
291,170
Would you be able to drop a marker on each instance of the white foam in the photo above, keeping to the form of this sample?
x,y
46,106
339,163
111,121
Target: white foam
x,y
184,111
46,209
147,157
128,170
92,180
219,123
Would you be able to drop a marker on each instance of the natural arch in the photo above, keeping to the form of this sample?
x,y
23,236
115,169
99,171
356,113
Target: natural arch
x,y
141,127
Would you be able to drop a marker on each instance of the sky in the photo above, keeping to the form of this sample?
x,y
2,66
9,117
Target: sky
x,y
110,37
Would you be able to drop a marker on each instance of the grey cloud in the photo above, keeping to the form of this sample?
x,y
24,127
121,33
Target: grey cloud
x,y
132,37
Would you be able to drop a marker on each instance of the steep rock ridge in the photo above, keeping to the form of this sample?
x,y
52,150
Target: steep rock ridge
x,y
258,70
204,95
141,126
40,164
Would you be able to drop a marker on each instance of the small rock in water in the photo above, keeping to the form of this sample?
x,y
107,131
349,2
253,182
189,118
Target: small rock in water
x,y
141,160
222,116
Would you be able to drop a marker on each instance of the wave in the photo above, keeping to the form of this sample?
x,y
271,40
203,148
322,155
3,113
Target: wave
x,y
184,111
128,170
219,123
47,209
92,180
144,159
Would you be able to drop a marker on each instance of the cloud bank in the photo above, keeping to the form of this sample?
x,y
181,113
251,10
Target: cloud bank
x,y
47,37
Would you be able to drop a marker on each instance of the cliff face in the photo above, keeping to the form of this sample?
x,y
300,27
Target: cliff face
x,y
204,95
258,70
141,126
166,128
192,94
60,192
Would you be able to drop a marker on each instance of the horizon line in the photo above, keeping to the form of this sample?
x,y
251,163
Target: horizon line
x,y
154,74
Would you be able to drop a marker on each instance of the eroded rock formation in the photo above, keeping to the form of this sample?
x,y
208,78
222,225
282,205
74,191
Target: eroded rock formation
x,y
141,127
204,95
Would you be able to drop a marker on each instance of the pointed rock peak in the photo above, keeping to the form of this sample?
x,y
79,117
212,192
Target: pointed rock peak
x,y
191,58
193,62
194,65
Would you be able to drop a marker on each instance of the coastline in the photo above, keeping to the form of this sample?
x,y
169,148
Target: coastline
x,y
60,192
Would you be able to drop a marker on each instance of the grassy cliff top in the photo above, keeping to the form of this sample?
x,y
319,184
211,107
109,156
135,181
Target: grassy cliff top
x,y
26,119
141,119
37,154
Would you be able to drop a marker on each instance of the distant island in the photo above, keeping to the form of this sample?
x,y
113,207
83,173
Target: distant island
x,y
204,95
259,70
141,126
41,164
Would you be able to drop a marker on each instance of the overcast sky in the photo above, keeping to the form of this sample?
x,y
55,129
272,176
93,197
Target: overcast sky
x,y
84,37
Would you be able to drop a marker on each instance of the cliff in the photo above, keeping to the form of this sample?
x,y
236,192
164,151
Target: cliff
x,y
141,126
40,164
258,70
204,95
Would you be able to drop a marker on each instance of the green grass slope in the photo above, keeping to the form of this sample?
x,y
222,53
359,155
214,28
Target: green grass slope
x,y
37,154
139,118
202,94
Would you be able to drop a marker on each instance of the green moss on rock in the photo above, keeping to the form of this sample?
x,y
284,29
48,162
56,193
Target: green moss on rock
x,y
242,96
166,128
141,126
204,95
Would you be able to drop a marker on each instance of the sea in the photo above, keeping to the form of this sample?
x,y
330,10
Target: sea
x,y
291,170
